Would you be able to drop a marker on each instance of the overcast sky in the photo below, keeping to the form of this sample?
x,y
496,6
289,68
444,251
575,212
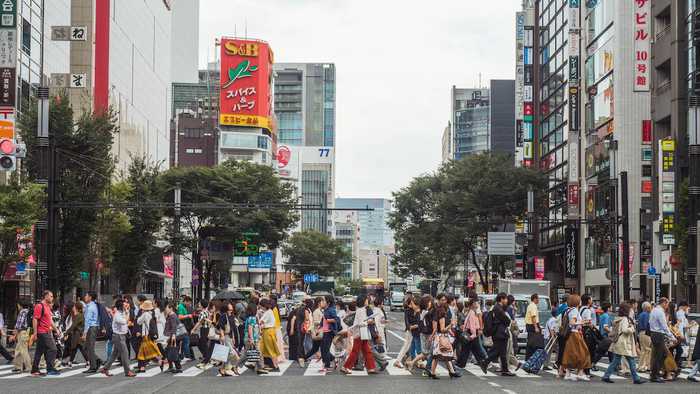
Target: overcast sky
x,y
396,61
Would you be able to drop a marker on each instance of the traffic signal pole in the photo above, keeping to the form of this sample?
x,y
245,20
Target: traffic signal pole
x,y
625,236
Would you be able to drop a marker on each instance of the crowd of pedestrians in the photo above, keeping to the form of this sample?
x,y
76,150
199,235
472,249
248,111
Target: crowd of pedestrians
x,y
441,330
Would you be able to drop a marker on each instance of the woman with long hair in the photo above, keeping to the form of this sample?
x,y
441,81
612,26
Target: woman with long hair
x,y
361,338
226,327
279,335
268,339
252,337
73,334
576,356
442,347
407,337
625,345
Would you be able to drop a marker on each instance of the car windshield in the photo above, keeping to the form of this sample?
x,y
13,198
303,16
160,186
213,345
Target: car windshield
x,y
521,306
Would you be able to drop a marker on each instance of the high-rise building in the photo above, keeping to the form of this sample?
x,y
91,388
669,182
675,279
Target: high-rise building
x,y
185,39
347,231
447,153
482,120
374,229
305,103
127,62
590,109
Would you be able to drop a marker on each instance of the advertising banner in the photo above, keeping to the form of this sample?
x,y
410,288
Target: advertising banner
x,y
246,67
642,45
667,186
168,265
574,108
539,268
571,254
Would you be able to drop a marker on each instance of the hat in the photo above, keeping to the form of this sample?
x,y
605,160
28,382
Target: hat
x,y
147,305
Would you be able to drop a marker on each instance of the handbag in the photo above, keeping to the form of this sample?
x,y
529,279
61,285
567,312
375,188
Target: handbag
x,y
444,344
213,334
220,352
252,355
535,340
181,330
173,353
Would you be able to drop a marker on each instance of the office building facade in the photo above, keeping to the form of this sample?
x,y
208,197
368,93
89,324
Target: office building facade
x,y
304,103
482,120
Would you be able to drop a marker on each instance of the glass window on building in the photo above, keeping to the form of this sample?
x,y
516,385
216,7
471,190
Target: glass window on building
x,y
26,37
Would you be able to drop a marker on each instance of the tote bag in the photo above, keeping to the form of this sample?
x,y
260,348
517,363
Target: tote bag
x,y
220,352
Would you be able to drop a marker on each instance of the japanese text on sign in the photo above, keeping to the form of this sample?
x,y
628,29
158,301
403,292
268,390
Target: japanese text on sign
x,y
642,38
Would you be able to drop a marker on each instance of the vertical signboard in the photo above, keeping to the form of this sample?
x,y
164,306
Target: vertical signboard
x,y
642,45
539,268
519,75
667,186
246,67
571,253
8,14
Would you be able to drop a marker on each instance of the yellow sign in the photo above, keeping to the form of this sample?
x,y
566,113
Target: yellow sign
x,y
7,128
244,120
668,145
244,49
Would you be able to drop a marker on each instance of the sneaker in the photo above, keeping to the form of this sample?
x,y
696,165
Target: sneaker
x,y
570,377
693,379
38,373
53,373
641,381
606,380
585,378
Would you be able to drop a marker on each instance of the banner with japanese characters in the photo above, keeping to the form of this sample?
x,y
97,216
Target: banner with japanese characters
x,y
246,67
642,45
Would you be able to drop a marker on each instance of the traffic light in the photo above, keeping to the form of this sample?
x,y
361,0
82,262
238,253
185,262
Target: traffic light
x,y
8,151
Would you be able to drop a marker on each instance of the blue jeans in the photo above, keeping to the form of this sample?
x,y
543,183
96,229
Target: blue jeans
x,y
185,350
415,346
616,363
109,348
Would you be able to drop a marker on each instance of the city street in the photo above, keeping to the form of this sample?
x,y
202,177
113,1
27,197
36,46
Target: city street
x,y
308,380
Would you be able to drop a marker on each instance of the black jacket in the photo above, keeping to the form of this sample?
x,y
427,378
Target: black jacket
x,y
502,322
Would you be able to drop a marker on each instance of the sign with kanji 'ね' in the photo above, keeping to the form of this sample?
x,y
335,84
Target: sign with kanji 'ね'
x,y
642,44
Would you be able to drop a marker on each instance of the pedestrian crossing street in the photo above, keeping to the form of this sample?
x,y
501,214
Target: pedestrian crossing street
x,y
311,369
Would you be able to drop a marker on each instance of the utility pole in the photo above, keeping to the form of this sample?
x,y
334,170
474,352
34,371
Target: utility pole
x,y
694,206
625,236
176,254
46,263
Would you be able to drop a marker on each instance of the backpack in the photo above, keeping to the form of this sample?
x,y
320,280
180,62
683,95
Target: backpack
x,y
490,323
564,326
104,320
153,327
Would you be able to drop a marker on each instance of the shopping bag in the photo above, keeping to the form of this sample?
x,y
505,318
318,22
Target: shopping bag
x,y
220,352
173,354
252,355
364,333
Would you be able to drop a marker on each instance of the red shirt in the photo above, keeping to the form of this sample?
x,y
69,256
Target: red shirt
x,y
44,319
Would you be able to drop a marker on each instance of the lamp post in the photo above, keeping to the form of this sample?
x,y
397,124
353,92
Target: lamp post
x,y
611,146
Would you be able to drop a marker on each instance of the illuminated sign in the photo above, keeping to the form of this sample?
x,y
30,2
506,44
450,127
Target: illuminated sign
x,y
245,83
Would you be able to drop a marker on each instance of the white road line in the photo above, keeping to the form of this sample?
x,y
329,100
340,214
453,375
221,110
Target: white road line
x,y
7,366
150,373
191,371
283,366
509,391
67,374
476,371
522,374
392,370
400,337
112,371
494,384
313,369
5,372
17,376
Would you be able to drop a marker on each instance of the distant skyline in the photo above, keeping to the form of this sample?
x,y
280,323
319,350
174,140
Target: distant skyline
x,y
396,62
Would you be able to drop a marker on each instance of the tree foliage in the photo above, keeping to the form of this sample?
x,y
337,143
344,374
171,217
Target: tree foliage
x,y
138,243
236,182
84,167
20,208
312,252
440,218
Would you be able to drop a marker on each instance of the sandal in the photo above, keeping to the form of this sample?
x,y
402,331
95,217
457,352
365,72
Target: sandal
x,y
345,371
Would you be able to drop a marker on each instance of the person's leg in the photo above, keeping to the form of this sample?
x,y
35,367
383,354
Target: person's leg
x,y
326,349
185,347
367,352
39,352
5,353
658,353
90,344
612,368
352,357
50,353
502,348
114,354
696,368
633,368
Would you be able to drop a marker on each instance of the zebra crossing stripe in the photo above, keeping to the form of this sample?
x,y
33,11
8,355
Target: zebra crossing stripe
x,y
7,366
283,366
149,373
112,371
394,371
476,371
523,374
313,369
66,374
191,371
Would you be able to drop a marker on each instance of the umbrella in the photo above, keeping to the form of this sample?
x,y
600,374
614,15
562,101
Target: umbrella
x,y
229,295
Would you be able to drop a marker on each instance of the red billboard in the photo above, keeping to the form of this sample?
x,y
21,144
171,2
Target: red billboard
x,y
246,74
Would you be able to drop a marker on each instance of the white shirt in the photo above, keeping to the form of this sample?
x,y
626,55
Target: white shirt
x,y
268,319
587,315
574,316
160,322
120,324
682,321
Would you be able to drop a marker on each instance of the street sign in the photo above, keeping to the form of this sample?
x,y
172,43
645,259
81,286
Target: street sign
x,y
263,260
657,287
8,13
8,48
651,271
78,80
68,33
8,86
21,269
310,278
501,244
7,128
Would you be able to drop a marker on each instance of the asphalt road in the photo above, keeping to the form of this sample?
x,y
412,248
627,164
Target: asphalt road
x,y
294,379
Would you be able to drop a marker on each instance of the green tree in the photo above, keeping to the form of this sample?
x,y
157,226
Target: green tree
x,y
84,167
138,243
207,215
312,252
440,218
20,208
